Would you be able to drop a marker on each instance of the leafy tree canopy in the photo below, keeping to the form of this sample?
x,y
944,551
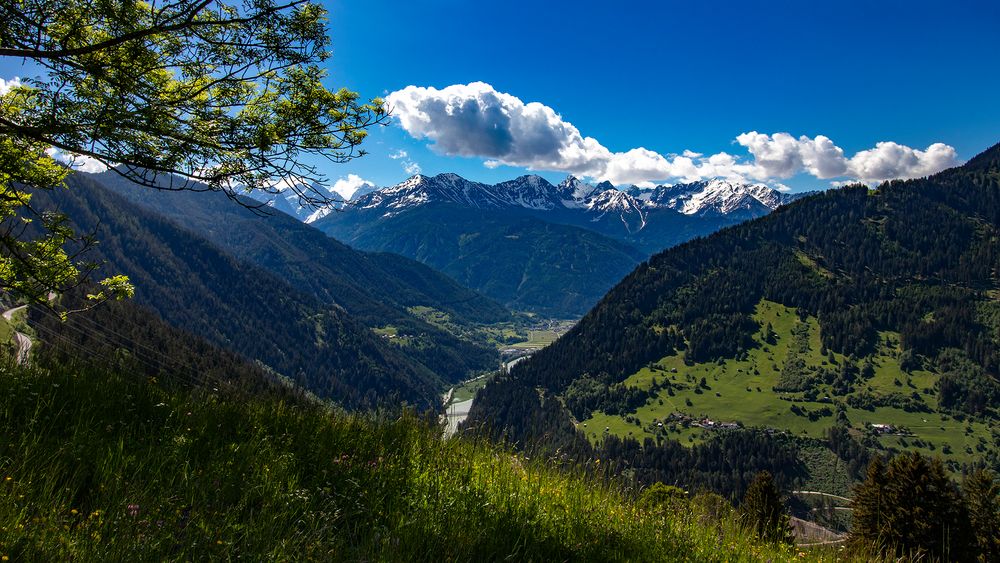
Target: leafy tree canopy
x,y
207,94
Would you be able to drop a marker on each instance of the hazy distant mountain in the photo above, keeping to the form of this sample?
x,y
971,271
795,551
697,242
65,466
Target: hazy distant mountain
x,y
285,197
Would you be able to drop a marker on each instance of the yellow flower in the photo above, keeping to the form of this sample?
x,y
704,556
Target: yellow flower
x,y
73,511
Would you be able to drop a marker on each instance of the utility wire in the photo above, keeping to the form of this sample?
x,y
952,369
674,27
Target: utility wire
x,y
141,353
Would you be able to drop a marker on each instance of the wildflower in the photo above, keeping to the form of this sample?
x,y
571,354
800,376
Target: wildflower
x,y
9,479
74,512
133,510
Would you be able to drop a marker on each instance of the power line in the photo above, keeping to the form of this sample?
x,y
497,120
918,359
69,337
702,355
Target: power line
x,y
139,351
92,354
124,338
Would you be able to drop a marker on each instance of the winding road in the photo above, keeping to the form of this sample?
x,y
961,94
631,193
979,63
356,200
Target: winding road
x,y
457,411
22,342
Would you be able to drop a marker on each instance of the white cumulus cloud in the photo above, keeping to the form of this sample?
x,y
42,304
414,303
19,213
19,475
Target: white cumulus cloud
x,y
345,187
475,120
78,162
891,160
8,85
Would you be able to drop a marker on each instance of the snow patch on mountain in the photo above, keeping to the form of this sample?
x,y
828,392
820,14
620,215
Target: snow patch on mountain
x,y
574,192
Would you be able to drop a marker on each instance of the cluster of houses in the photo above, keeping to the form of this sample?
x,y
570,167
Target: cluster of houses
x,y
704,422
889,429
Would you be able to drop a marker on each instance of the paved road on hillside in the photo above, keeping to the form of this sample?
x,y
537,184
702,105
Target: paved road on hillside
x,y
821,494
21,340
457,412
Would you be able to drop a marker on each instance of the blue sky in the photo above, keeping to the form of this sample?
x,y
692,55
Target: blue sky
x,y
671,76
798,94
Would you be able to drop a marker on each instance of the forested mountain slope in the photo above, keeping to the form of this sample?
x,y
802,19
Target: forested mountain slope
x,y
853,308
133,338
520,260
194,285
378,290
363,283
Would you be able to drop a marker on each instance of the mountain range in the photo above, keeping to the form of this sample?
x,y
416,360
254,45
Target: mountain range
x,y
535,246
622,213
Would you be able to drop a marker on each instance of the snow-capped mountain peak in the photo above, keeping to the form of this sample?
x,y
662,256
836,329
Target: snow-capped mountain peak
x,y
529,192
611,200
287,197
574,192
603,202
713,197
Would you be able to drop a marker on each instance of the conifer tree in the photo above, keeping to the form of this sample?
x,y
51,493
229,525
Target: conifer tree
x,y
982,498
911,510
869,508
763,512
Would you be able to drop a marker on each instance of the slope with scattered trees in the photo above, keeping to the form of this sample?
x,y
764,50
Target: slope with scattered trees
x,y
899,279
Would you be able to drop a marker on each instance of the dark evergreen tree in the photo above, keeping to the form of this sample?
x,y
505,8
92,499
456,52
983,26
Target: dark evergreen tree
x,y
869,509
763,512
982,499
912,509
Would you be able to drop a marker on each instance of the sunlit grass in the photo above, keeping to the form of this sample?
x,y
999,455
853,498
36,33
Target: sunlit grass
x,y
742,390
96,466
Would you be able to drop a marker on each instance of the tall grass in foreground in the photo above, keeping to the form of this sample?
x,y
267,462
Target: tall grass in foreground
x,y
99,466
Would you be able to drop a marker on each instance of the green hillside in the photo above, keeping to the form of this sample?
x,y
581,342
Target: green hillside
x,y
781,383
861,321
157,471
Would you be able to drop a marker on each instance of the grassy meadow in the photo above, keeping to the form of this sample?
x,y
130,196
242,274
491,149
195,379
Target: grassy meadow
x,y
96,465
741,391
